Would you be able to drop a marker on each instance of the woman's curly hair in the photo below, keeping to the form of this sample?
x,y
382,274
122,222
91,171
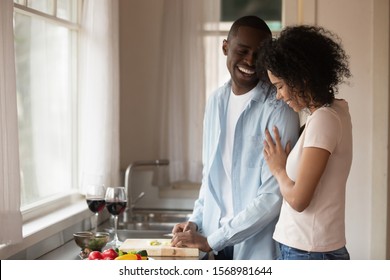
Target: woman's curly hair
x,y
309,59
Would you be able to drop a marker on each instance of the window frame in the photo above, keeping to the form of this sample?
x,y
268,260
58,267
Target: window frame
x,y
45,206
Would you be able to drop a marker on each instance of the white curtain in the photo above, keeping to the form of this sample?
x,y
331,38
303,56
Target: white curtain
x,y
10,215
213,47
183,87
99,93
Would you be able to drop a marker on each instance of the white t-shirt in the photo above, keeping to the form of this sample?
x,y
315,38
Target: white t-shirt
x,y
237,104
321,226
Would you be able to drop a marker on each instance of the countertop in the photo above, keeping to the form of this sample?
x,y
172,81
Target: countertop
x,y
70,251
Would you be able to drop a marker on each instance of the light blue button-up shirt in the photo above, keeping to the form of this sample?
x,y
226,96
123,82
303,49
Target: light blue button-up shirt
x,y
256,196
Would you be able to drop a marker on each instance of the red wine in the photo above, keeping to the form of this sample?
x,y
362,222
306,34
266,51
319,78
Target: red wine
x,y
96,205
116,207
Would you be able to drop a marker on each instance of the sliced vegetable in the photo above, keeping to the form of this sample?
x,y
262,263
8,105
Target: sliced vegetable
x,y
127,257
155,242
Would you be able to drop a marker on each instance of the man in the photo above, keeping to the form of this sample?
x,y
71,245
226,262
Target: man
x,y
239,201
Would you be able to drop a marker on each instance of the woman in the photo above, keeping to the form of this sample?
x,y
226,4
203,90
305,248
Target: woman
x,y
306,64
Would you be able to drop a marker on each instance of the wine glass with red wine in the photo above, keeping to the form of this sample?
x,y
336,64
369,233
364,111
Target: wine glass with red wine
x,y
95,196
116,201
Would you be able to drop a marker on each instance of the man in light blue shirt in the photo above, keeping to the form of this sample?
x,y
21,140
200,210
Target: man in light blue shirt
x,y
239,201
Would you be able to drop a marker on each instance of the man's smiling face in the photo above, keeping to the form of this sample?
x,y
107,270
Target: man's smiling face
x,y
241,51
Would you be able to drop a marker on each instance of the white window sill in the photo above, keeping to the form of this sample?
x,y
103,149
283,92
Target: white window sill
x,y
48,232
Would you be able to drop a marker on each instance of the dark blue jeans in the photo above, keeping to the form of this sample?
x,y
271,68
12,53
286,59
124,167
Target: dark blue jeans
x,y
224,254
290,253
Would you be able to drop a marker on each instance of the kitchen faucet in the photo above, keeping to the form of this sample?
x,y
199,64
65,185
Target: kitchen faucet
x,y
132,202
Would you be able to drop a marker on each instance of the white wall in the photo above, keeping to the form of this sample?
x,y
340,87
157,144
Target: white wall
x,y
356,22
140,25
352,26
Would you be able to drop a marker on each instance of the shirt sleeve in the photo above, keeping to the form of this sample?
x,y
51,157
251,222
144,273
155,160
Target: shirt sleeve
x,y
323,130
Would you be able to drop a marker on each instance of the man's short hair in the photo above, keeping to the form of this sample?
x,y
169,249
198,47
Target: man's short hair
x,y
250,21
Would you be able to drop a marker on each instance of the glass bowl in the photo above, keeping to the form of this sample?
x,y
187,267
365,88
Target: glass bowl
x,y
89,241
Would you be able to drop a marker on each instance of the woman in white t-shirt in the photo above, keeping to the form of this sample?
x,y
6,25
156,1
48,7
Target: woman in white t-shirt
x,y
306,64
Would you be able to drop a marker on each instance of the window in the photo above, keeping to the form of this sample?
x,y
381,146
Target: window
x,y
269,10
46,53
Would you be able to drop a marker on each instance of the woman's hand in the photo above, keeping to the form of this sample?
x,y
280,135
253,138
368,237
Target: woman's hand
x,y
312,164
274,154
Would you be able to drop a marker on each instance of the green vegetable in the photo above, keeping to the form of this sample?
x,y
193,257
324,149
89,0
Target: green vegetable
x,y
142,253
121,253
96,244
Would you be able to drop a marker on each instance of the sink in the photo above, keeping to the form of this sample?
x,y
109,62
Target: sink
x,y
157,216
148,223
141,230
156,226
124,234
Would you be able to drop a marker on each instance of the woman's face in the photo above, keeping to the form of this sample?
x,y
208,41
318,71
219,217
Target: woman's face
x,y
284,92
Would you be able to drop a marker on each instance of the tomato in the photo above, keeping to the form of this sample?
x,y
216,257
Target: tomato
x,y
109,254
95,255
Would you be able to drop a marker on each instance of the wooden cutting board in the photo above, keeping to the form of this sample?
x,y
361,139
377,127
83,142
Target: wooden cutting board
x,y
161,248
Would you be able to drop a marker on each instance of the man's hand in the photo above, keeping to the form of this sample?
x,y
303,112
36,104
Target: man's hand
x,y
191,239
182,227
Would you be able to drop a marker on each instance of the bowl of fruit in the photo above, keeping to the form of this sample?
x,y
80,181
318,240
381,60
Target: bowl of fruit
x,y
89,241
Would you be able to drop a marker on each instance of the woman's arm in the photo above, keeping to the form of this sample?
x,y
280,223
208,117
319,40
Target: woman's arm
x,y
312,164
